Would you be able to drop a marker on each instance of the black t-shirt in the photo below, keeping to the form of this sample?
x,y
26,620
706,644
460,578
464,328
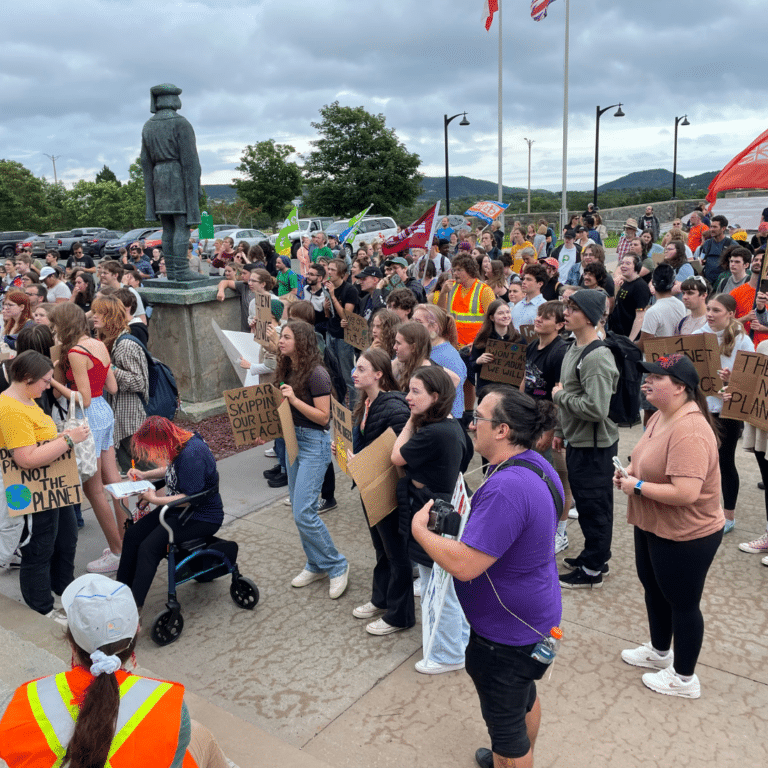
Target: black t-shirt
x,y
630,297
542,367
435,455
318,384
84,262
345,294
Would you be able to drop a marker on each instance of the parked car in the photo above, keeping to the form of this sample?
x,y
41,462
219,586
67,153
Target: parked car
x,y
9,241
251,236
378,227
94,245
37,244
63,241
195,234
112,247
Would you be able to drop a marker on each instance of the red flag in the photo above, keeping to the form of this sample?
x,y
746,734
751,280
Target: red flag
x,y
491,6
539,9
415,236
748,170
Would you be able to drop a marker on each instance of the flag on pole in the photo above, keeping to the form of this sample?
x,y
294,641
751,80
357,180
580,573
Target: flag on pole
x,y
748,170
418,235
283,241
354,224
487,210
539,9
489,8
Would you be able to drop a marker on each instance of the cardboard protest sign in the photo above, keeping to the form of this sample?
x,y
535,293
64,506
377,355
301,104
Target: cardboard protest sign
x,y
289,431
701,349
433,600
252,413
238,344
264,316
377,477
508,366
748,386
528,332
356,333
37,490
342,433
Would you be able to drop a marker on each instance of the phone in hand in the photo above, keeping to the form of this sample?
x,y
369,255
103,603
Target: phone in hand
x,y
619,467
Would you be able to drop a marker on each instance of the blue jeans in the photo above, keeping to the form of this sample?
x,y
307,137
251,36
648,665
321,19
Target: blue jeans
x,y
343,355
305,478
280,451
452,631
48,559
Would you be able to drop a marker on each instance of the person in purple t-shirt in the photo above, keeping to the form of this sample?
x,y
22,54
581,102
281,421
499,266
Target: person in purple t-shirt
x,y
504,570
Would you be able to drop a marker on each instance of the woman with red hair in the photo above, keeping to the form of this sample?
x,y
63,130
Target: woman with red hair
x,y
189,467
17,314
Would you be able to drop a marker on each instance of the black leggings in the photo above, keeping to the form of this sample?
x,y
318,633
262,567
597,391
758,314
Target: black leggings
x,y
729,430
763,467
673,574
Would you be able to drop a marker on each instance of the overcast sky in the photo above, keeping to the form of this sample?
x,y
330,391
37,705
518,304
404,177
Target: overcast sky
x,y
75,81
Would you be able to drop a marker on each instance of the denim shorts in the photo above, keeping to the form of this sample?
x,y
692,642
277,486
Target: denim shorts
x,y
504,678
101,420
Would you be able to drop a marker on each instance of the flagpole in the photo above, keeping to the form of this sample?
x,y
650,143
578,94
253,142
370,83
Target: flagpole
x,y
564,204
501,199
431,237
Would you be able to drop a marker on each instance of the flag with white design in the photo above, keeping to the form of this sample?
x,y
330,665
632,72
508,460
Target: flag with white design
x,y
418,235
539,9
283,241
489,8
354,224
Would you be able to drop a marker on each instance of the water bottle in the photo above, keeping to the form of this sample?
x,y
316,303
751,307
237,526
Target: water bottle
x,y
547,648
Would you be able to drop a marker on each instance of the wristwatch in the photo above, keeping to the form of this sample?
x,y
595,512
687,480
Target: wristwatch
x,y
638,488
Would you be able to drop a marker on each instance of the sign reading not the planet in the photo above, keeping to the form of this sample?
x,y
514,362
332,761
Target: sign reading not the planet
x,y
42,488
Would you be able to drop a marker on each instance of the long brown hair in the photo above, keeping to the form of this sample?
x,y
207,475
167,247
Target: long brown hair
x,y
70,324
417,337
734,329
380,363
113,318
390,322
435,381
307,357
485,329
96,723
20,298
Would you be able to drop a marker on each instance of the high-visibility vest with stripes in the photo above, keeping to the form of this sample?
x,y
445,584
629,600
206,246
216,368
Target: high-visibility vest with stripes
x,y
466,311
40,721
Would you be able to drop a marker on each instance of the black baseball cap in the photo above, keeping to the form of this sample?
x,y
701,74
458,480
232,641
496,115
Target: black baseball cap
x,y
677,365
369,272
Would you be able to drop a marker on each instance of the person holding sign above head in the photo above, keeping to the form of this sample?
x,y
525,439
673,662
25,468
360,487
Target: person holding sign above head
x,y
382,406
48,556
721,320
306,384
434,450
672,486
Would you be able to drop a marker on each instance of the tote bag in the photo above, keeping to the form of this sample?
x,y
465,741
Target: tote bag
x,y
85,452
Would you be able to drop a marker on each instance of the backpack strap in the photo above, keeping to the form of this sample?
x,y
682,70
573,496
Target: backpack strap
x,y
556,497
589,348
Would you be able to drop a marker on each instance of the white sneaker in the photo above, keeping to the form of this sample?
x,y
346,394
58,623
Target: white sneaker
x,y
339,585
417,587
58,615
573,513
756,547
429,667
367,611
380,627
666,681
561,542
287,501
107,563
764,561
645,656
270,453
307,577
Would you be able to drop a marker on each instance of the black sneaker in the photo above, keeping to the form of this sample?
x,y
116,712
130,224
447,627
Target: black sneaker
x,y
274,472
580,579
484,758
571,563
279,481
326,505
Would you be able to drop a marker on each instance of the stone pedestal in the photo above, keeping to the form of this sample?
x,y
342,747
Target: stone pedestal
x,y
181,335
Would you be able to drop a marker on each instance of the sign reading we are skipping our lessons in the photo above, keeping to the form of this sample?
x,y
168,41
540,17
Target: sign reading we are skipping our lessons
x,y
252,413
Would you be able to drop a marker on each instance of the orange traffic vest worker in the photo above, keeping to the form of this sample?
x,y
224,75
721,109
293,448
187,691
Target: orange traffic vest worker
x,y
40,720
468,308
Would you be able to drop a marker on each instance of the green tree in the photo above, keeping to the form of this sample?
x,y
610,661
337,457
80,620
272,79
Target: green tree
x,y
357,162
107,174
134,199
22,199
272,180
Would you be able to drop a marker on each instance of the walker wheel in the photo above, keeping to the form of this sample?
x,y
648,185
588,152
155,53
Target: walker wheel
x,y
244,593
167,627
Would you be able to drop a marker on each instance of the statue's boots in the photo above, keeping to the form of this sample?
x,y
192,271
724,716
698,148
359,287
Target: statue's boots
x,y
181,272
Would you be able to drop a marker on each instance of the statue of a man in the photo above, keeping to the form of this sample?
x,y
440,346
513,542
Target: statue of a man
x,y
171,177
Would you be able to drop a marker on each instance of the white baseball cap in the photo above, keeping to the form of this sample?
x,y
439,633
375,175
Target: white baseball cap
x,y
99,611
47,272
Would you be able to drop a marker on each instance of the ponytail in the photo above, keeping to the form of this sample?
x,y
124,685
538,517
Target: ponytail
x,y
734,329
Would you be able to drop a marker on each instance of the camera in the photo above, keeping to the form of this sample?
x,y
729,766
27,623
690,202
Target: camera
x,y
444,520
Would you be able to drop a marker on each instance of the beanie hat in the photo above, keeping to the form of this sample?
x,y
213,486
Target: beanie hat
x,y
591,302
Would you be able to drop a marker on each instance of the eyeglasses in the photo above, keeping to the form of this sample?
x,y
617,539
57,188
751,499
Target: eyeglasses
x,y
47,381
476,418
571,308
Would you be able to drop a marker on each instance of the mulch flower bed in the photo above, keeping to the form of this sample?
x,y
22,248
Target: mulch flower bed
x,y
217,432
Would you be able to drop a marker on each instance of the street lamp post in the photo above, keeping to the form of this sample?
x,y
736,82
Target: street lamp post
x,y
447,120
54,158
598,114
678,121
530,143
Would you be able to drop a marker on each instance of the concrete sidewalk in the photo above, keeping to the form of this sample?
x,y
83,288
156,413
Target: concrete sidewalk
x,y
298,681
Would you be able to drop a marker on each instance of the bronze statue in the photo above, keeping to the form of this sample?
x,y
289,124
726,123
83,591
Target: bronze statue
x,y
171,178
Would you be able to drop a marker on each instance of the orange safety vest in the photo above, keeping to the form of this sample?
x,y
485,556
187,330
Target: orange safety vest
x,y
39,721
466,310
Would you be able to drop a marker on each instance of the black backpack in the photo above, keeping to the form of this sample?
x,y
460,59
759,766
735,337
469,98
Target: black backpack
x,y
163,392
625,401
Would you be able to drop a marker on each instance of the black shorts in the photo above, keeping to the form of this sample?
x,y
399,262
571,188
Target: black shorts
x,y
504,678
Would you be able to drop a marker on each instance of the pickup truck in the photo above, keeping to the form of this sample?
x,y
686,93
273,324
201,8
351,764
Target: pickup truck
x,y
9,241
63,241
307,227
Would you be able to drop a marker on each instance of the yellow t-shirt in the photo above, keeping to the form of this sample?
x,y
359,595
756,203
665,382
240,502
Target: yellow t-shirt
x,y
22,425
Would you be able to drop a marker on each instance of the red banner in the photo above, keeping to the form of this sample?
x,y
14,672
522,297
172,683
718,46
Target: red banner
x,y
748,170
418,235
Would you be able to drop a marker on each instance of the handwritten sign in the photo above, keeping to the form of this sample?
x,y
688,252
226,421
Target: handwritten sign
x,y
356,333
528,332
342,433
749,388
701,349
37,490
263,317
289,431
252,413
508,366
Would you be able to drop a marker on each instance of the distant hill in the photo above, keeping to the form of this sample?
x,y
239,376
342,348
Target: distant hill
x,y
657,179
224,192
462,186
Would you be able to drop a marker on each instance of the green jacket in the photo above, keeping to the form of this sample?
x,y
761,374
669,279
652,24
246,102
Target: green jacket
x,y
585,400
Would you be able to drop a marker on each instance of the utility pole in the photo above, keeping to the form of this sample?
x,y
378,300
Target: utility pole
x,y
54,158
530,143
